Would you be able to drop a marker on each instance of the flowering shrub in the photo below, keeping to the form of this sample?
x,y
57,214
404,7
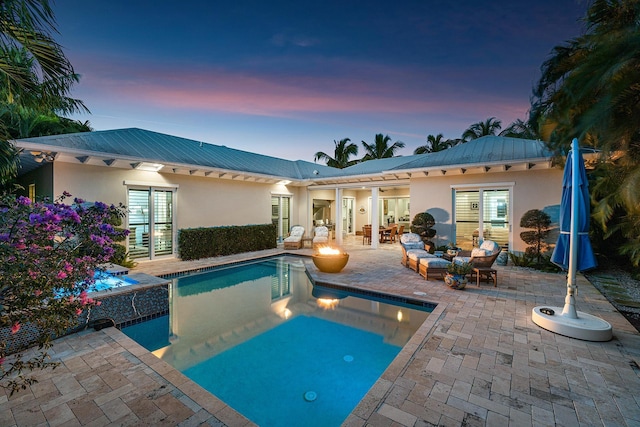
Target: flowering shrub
x,y
49,252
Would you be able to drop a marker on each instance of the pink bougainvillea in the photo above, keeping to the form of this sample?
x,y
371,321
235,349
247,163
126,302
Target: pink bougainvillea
x,y
49,253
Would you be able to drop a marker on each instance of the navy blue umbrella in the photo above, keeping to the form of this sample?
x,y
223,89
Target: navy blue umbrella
x,y
573,251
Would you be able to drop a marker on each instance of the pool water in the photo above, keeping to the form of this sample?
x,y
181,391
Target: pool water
x,y
275,348
106,281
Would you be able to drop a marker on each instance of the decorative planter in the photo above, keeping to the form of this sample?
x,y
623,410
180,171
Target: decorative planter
x,y
331,263
455,281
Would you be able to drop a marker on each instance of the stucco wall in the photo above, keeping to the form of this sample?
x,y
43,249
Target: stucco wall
x,y
201,201
534,189
42,178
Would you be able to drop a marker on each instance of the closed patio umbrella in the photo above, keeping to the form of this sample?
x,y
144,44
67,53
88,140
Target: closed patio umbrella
x,y
584,253
573,253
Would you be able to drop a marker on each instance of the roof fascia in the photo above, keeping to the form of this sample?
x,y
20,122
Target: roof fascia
x,y
74,152
470,165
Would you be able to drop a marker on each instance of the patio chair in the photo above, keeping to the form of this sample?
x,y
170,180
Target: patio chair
x,y
294,240
390,236
320,236
481,260
366,234
432,265
412,250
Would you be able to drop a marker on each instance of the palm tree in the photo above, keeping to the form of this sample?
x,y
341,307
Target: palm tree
x,y
434,144
521,129
590,89
28,24
489,127
380,149
34,71
343,150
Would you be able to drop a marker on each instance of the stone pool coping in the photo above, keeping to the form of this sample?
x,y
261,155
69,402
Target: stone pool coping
x,y
478,359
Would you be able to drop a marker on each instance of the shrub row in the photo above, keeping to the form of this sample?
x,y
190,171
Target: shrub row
x,y
196,243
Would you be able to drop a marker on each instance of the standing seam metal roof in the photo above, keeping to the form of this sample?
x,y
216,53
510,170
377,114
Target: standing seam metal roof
x,y
161,148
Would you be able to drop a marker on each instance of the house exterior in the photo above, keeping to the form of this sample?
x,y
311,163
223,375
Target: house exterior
x,y
476,190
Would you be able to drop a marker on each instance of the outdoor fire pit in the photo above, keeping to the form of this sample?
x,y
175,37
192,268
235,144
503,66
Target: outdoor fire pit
x,y
330,260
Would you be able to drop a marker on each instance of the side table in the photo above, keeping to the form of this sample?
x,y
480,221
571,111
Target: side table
x,y
306,240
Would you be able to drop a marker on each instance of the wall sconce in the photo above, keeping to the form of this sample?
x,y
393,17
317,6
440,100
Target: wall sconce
x,y
362,210
43,156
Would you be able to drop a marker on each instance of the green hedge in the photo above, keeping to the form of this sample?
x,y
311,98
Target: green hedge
x,y
196,243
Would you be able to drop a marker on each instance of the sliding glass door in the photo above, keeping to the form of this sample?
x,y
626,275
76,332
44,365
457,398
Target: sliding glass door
x,y
150,223
280,215
482,214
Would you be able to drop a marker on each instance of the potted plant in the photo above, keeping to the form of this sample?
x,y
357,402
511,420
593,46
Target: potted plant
x,y
456,277
452,249
421,225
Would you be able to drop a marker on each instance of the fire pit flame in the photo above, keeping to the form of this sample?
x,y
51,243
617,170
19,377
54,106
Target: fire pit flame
x,y
328,250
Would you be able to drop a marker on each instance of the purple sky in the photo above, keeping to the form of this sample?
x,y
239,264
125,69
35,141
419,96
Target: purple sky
x,y
287,78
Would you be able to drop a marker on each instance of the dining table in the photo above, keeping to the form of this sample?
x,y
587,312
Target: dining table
x,y
384,230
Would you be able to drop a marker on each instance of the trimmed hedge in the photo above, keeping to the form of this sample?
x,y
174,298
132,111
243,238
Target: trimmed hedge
x,y
196,243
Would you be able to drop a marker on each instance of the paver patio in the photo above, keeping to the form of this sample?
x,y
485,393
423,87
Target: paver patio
x,y
477,360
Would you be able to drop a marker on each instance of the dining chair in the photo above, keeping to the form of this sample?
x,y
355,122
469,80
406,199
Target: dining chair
x,y
366,234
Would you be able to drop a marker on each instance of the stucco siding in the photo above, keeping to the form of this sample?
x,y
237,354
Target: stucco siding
x,y
200,201
539,189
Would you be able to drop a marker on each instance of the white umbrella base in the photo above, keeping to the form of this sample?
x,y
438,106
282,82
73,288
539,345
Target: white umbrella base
x,y
585,327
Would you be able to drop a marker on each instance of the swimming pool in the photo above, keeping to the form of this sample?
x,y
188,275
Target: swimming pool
x,y
275,348
105,281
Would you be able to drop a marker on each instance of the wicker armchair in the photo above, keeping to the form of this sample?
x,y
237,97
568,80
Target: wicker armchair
x,y
294,240
481,260
321,236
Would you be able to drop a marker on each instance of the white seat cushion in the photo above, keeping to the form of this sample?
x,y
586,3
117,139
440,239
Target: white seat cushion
x,y
434,262
461,259
479,252
490,247
410,238
415,254
296,234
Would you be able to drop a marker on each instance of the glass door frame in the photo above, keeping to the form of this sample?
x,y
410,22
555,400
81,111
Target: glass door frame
x,y
279,220
348,215
150,225
481,188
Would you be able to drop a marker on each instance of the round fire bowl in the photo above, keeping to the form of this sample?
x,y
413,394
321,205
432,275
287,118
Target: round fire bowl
x,y
332,263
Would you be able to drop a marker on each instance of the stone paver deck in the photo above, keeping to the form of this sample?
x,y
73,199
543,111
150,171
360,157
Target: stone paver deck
x,y
478,360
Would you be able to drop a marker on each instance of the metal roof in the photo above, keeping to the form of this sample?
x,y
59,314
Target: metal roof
x,y
130,147
135,144
487,150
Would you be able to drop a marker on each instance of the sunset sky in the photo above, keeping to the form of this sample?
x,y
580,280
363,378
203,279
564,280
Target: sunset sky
x,y
287,78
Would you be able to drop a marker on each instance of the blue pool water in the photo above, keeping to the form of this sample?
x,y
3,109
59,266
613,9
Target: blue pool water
x,y
106,281
273,347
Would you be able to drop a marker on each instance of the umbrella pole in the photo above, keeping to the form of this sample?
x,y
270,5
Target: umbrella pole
x,y
569,309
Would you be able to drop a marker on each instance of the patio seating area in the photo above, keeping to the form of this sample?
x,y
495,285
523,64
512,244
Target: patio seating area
x,y
477,360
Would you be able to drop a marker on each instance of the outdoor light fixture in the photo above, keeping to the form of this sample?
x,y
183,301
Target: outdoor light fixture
x,y
284,182
149,167
42,156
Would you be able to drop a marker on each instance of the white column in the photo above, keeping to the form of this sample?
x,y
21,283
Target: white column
x,y
338,218
308,223
375,220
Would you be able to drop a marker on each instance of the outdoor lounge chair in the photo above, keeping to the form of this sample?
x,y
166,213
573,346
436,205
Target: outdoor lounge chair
x,y
320,236
481,260
432,265
294,241
412,250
